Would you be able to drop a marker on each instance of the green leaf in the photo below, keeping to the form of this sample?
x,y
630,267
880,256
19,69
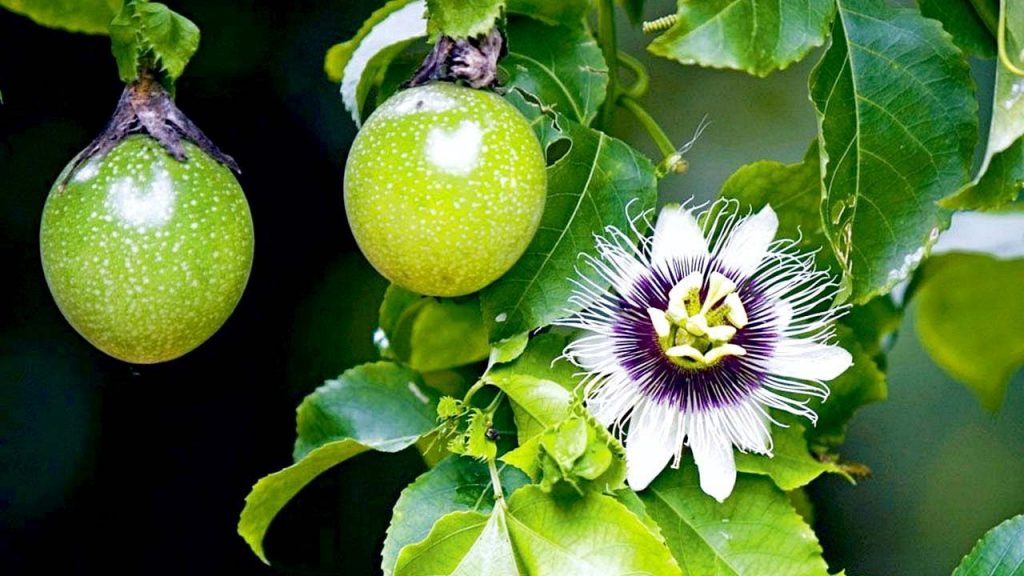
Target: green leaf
x,y
462,544
755,37
149,31
543,360
1001,175
537,403
794,191
588,189
631,500
861,384
87,16
999,184
754,532
562,68
564,12
540,535
379,406
430,334
361,62
454,485
969,320
874,325
509,349
897,126
999,553
539,385
463,18
959,18
383,405
792,465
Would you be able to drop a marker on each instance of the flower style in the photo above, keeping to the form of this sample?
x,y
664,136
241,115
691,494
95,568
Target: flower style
x,y
709,325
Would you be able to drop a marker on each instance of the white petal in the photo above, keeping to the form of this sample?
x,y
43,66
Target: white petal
x,y
650,444
748,243
715,462
799,358
677,236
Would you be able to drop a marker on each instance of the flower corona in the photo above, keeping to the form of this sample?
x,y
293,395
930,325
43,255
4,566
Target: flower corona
x,y
710,324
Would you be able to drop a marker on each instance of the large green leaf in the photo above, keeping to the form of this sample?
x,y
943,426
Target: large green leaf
x,y
463,18
754,532
1001,175
897,118
756,37
88,16
564,12
962,22
588,189
562,68
969,316
456,484
794,191
541,535
149,30
361,62
430,334
999,553
791,465
379,406
462,544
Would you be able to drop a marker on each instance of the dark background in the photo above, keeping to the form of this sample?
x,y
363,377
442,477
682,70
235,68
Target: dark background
x,y
104,465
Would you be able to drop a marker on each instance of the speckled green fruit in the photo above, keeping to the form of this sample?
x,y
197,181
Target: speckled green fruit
x,y
444,188
147,256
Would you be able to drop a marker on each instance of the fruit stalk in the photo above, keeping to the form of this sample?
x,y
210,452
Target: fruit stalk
x,y
146,107
471,60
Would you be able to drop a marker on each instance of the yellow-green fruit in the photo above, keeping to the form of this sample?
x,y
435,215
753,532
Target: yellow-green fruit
x,y
147,256
444,188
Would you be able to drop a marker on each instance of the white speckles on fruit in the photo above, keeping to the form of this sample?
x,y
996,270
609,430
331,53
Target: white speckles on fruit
x,y
444,188
136,256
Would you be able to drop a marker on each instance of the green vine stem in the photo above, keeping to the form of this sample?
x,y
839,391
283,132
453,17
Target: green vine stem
x,y
673,161
499,494
641,78
609,48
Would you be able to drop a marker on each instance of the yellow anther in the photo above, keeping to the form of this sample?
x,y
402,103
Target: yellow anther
x,y
718,287
737,314
661,324
697,325
719,352
721,333
685,351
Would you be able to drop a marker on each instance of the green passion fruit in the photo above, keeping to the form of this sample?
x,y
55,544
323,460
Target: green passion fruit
x,y
444,188
147,256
